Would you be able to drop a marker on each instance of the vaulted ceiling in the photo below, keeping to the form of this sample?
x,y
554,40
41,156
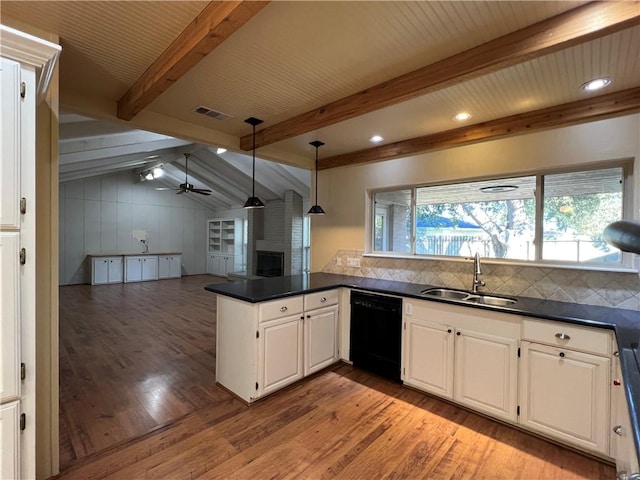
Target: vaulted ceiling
x,y
334,71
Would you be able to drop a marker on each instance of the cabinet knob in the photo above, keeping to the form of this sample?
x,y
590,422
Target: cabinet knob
x,y
323,299
301,317
616,353
617,430
283,309
562,354
448,330
308,316
458,333
563,336
616,383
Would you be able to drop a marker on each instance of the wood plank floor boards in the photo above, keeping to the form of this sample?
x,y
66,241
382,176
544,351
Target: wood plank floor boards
x,y
128,370
133,357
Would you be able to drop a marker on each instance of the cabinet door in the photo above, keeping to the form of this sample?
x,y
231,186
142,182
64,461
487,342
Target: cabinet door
x,y
320,339
164,266
149,268
10,435
279,353
10,131
211,263
622,444
100,271
10,316
133,269
428,356
115,270
565,394
486,373
175,266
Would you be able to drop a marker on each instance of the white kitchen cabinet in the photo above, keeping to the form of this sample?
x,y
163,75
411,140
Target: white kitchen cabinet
x,y
622,447
170,266
266,346
26,67
10,435
464,354
106,270
141,268
279,353
320,330
428,356
565,371
486,373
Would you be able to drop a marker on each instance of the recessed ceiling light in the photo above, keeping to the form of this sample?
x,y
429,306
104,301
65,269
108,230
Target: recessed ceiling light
x,y
158,172
595,84
220,150
376,139
462,116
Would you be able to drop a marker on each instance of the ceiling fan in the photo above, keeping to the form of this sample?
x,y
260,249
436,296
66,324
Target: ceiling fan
x,y
187,187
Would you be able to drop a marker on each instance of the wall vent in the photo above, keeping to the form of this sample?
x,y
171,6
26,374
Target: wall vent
x,y
209,112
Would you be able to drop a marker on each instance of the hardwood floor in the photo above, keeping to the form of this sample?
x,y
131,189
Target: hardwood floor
x,y
138,356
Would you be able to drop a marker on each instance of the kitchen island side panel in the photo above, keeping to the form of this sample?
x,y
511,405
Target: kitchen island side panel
x,y
236,347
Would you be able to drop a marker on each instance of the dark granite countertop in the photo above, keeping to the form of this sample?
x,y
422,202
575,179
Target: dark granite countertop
x,y
625,323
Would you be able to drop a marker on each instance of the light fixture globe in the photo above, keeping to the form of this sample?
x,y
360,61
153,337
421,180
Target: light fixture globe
x,y
253,201
316,209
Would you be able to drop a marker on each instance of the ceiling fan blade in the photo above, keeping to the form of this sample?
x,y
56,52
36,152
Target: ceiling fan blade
x,y
200,190
181,191
166,188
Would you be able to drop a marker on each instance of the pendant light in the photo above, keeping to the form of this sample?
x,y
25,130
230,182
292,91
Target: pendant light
x,y
253,201
316,209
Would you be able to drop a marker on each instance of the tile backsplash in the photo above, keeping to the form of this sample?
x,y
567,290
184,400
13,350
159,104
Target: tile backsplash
x,y
609,289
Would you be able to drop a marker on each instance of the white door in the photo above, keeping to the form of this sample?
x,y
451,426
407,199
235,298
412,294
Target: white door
x,y
565,394
428,356
175,266
149,268
320,339
115,270
100,271
9,440
486,373
279,353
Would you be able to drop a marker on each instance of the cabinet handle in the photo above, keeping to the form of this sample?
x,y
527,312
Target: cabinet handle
x,y
616,383
616,353
563,336
562,354
323,299
301,317
617,430
283,309
458,333
308,316
448,330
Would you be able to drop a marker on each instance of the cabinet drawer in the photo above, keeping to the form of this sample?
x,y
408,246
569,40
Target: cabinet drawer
x,y
282,307
320,299
565,335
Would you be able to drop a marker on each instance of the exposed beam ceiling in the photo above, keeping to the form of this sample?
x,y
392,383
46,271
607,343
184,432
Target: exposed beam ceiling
x,y
217,21
603,106
560,32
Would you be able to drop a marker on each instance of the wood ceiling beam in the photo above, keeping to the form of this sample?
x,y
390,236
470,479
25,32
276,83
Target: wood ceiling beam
x,y
582,24
581,111
213,25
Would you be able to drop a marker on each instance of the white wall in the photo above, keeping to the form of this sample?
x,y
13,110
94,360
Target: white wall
x,y
344,190
98,215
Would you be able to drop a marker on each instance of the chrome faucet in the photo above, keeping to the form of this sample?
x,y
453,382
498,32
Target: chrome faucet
x,y
477,271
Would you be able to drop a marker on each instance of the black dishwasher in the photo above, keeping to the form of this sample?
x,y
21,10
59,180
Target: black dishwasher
x,y
376,333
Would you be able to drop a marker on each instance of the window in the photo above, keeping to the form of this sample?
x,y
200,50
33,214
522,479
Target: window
x,y
555,217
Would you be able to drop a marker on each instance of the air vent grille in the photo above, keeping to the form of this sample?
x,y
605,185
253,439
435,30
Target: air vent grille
x,y
209,112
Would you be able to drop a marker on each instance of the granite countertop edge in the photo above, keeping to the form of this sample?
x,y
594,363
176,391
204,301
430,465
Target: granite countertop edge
x,y
625,323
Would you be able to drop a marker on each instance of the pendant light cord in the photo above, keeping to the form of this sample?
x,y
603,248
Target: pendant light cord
x,y
316,175
253,184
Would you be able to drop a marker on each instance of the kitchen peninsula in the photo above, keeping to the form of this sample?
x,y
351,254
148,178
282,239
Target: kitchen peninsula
x,y
256,317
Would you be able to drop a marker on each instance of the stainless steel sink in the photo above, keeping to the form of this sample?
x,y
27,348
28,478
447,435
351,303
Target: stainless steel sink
x,y
464,296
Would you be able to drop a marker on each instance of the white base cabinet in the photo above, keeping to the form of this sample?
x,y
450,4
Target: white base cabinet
x,y
106,270
264,347
140,269
169,266
467,355
564,383
622,445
